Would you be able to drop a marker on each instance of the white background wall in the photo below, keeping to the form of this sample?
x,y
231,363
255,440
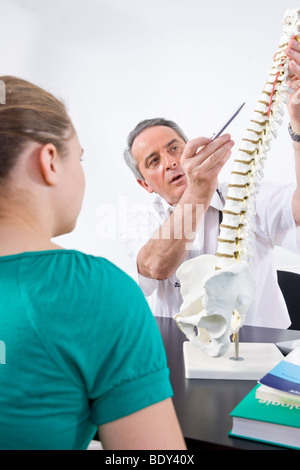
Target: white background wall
x,y
115,62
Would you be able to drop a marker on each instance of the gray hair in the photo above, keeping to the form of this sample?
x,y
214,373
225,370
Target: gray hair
x,y
140,127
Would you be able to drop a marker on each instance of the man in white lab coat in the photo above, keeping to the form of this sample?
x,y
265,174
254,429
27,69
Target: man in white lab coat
x,y
183,220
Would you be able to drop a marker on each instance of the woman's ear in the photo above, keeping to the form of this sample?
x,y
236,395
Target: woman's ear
x,y
48,158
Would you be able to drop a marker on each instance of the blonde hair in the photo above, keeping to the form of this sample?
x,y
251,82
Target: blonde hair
x,y
29,113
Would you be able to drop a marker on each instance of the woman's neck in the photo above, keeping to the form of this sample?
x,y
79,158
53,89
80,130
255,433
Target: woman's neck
x,y
18,235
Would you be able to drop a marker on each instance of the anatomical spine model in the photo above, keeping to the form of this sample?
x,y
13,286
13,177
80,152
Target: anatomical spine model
x,y
218,289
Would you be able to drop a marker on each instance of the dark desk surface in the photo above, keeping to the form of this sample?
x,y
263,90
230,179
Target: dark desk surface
x,y
202,405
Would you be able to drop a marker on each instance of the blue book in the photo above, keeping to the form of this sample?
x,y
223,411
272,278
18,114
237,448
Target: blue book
x,y
285,376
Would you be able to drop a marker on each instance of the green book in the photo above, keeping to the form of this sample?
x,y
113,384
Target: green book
x,y
267,421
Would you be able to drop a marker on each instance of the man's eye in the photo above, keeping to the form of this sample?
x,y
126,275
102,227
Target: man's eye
x,y
153,162
176,149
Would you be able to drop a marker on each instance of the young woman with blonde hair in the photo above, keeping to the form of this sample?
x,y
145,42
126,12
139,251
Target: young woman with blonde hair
x,y
82,347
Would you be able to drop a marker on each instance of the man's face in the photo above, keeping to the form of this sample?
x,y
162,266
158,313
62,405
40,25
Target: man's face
x,y
158,150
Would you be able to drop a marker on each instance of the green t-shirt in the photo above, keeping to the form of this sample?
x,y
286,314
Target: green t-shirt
x,y
82,348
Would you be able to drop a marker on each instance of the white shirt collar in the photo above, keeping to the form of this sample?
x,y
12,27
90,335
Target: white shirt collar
x,y
215,202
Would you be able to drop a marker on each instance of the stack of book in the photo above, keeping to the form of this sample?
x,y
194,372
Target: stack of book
x,y
271,411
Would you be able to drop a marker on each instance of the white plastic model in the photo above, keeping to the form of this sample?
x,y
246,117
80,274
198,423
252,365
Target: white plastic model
x,y
218,289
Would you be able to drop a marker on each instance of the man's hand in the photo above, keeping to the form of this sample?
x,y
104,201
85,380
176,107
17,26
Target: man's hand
x,y
293,52
202,160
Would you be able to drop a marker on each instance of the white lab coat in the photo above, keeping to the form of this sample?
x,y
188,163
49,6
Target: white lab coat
x,y
275,225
